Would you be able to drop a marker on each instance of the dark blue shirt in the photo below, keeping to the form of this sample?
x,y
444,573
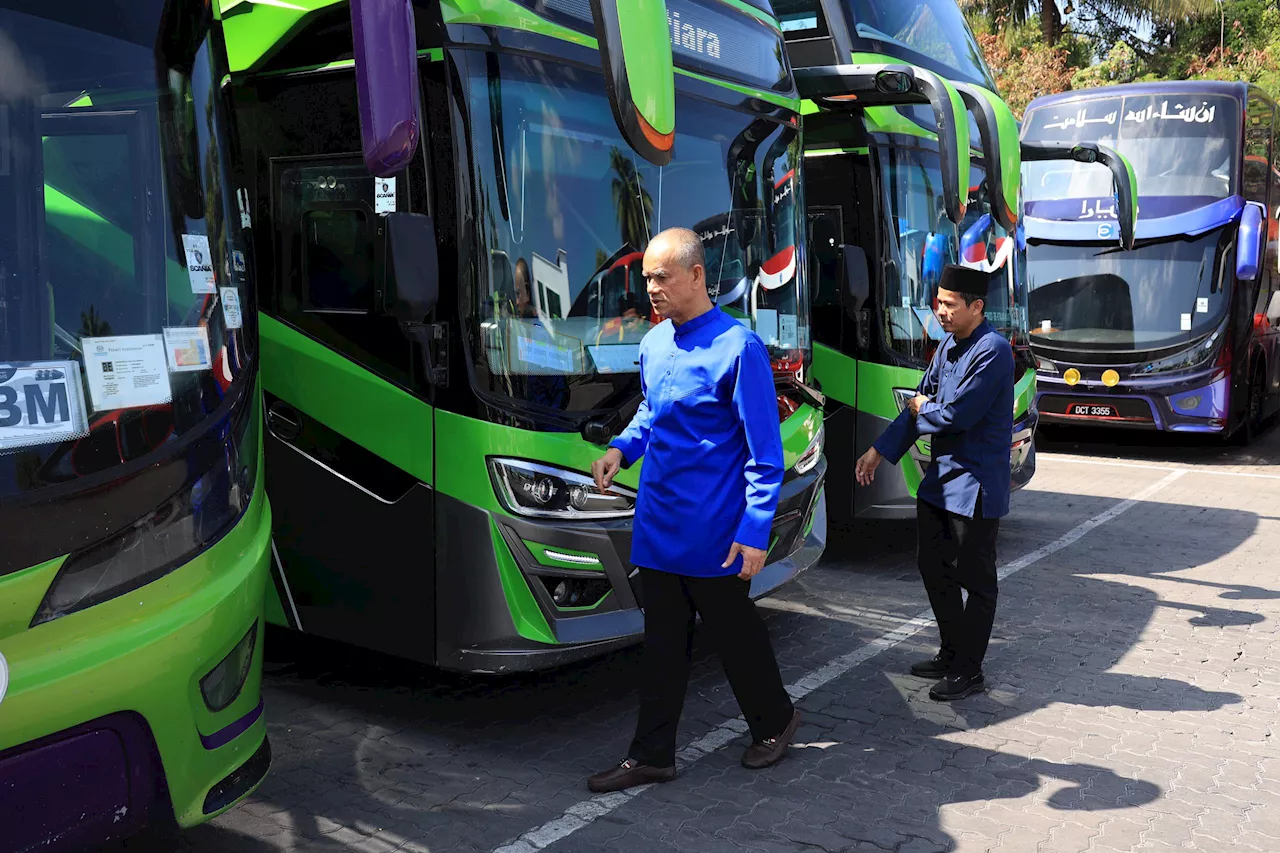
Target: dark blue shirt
x,y
969,417
709,433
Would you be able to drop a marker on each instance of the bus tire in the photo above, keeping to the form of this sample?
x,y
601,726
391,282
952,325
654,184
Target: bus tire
x,y
1255,409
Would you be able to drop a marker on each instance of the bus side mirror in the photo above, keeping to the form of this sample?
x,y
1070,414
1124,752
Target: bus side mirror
x,y
1249,242
1123,179
639,73
413,280
1001,150
386,58
859,86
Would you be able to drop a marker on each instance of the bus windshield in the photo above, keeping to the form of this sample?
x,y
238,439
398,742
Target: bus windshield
x,y
123,285
1184,150
564,210
920,240
1102,298
930,33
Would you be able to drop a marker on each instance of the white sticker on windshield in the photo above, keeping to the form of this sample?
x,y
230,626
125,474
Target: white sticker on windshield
x,y
199,263
231,308
787,331
1202,305
126,371
1046,326
384,195
1186,322
41,402
767,325
242,197
187,348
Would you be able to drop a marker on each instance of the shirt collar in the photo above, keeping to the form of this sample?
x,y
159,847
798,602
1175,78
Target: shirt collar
x,y
697,322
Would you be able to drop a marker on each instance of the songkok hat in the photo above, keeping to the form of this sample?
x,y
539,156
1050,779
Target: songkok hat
x,y
966,280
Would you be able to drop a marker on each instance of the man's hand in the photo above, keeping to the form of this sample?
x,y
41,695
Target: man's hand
x,y
604,469
865,470
915,404
752,560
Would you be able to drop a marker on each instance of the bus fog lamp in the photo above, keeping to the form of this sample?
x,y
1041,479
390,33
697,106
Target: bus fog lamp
x,y
1072,376
1189,403
1110,378
225,681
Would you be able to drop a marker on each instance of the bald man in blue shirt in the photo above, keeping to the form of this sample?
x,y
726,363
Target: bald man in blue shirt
x,y
709,434
965,405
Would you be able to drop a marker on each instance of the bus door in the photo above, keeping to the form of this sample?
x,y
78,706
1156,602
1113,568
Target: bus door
x,y
350,426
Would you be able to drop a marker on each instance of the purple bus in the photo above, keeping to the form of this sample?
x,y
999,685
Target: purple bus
x,y
1180,332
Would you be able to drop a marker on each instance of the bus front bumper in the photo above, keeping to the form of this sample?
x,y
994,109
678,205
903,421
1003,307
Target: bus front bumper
x,y
1197,403
506,611
104,727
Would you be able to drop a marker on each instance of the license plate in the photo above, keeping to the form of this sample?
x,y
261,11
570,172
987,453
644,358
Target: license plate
x,y
1091,410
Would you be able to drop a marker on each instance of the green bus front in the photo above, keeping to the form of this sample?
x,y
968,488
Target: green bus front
x,y
432,497
875,182
133,517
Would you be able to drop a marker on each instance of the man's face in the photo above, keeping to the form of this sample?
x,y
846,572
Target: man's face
x,y
673,290
955,315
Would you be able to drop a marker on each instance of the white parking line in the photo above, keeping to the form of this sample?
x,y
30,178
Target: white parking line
x,y
588,811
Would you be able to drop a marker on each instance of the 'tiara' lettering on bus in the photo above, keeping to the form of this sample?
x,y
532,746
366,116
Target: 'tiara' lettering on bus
x,y
693,38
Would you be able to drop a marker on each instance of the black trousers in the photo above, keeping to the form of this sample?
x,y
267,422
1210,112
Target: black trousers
x,y
957,553
741,640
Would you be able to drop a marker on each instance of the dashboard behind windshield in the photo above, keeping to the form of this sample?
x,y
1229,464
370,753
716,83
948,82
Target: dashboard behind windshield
x,y
564,210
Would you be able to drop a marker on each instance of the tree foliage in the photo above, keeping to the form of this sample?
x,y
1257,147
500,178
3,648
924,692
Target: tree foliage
x,y
1036,47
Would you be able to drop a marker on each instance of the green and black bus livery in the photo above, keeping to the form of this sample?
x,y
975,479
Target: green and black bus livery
x,y
134,524
912,162
454,305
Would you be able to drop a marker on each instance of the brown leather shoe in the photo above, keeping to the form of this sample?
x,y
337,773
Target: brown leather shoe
x,y
628,774
766,753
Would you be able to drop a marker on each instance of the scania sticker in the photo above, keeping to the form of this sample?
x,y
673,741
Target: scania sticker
x,y
41,402
199,263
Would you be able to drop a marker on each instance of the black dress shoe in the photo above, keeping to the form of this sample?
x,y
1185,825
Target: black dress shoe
x,y
766,753
628,774
937,666
957,687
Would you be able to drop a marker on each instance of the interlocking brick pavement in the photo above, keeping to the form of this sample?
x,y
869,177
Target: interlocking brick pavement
x,y
1133,704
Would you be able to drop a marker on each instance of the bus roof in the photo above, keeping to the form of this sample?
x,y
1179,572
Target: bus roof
x,y
1236,90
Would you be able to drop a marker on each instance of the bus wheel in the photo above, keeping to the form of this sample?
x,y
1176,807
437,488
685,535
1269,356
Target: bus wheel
x,y
1255,411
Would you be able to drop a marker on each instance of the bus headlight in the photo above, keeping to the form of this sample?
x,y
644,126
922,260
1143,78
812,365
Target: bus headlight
x,y
1187,359
809,459
177,531
543,491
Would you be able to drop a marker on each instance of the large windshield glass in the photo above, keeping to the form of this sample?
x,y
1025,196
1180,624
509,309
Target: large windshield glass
x,y
123,278
564,210
931,33
1184,150
919,240
1094,297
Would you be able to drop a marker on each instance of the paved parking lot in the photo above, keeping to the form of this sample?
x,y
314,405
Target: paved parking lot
x,y
1133,704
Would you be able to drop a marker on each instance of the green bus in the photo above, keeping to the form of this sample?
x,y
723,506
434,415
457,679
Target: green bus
x,y
452,306
912,161
134,524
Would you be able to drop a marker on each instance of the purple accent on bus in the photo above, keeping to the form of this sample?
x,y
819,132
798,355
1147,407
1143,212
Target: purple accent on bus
x,y
1193,222
79,788
1209,401
1149,207
224,736
1249,241
1161,396
386,54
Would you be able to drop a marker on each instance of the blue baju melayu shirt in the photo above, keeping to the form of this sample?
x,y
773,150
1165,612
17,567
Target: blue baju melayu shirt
x,y
708,431
970,420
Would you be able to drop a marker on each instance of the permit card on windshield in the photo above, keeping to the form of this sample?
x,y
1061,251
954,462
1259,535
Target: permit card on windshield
x,y
1186,322
126,371
199,263
615,358
384,195
41,402
187,348
231,308
767,325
